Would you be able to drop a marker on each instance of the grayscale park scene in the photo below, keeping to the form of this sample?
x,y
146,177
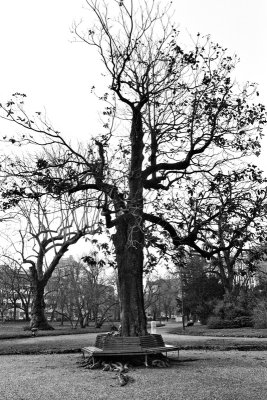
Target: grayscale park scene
x,y
133,205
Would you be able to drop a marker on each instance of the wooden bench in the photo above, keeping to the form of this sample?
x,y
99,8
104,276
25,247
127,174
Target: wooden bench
x,y
155,344
107,345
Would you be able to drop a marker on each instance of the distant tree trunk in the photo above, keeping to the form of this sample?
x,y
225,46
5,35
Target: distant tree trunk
x,y
81,319
86,320
25,307
27,315
15,310
38,318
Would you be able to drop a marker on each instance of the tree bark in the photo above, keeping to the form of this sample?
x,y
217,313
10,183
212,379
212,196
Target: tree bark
x,y
38,318
130,275
129,240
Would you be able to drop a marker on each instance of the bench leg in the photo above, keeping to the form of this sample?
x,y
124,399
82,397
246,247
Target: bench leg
x,y
146,364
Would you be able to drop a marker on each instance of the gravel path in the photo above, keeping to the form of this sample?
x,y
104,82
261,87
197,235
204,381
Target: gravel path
x,y
200,375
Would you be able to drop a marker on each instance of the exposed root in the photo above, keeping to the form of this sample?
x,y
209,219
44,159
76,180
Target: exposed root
x,y
118,367
122,369
85,362
126,367
159,363
106,367
96,365
123,379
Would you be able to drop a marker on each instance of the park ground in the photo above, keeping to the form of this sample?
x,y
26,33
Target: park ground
x,y
209,367
14,340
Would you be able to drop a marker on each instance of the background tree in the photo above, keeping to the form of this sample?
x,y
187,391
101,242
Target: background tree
x,y
201,290
46,228
178,112
83,291
230,210
101,289
240,225
15,289
161,296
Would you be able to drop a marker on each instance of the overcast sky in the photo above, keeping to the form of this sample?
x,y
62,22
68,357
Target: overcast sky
x,y
39,58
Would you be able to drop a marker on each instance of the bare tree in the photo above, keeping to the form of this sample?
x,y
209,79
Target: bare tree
x,y
46,228
15,288
83,291
160,296
171,112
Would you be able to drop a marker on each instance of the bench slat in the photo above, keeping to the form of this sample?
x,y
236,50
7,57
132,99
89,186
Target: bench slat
x,y
162,349
100,352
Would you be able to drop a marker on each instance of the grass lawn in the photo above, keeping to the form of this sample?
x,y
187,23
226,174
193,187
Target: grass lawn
x,y
202,330
15,329
67,339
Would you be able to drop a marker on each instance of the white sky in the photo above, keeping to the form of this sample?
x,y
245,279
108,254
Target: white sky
x,y
39,59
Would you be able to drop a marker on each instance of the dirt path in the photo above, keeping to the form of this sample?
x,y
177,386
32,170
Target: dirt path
x,y
201,375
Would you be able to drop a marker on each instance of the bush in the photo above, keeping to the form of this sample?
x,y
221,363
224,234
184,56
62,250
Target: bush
x,y
259,316
239,322
218,323
229,309
27,328
242,322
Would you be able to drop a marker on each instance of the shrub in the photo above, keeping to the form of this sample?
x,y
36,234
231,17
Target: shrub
x,y
27,328
243,321
229,309
259,316
219,323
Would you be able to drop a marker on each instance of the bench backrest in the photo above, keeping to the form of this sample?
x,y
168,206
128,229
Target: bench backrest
x,y
152,341
108,342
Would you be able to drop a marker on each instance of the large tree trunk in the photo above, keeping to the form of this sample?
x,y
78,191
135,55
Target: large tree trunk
x,y
38,318
130,274
129,240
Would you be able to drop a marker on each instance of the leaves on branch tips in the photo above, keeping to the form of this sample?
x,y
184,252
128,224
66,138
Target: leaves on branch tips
x,y
10,103
206,80
17,94
41,163
89,260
